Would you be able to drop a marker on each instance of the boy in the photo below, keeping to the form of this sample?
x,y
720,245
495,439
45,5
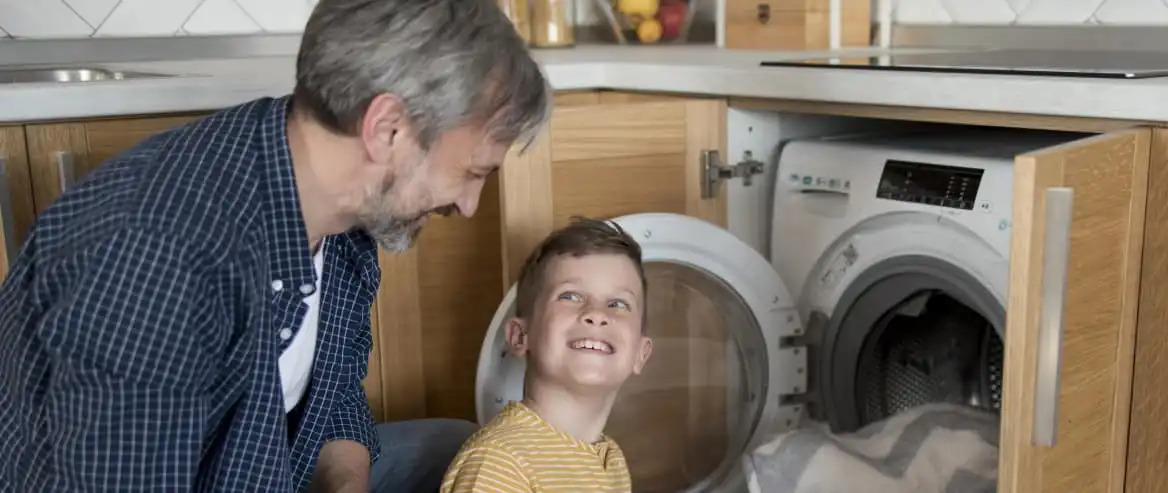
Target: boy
x,y
579,319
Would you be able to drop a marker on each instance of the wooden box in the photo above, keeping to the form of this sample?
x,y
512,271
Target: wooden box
x,y
794,24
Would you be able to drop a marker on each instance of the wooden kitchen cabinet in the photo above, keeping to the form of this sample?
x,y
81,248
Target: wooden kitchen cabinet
x,y
17,211
61,153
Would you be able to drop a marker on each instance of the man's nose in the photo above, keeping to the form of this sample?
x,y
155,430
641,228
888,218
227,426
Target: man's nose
x,y
468,203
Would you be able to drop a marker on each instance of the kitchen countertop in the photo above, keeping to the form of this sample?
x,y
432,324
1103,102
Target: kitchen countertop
x,y
212,83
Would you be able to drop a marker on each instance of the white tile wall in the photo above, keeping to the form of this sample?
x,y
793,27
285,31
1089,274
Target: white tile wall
x,y
130,18
136,18
1031,12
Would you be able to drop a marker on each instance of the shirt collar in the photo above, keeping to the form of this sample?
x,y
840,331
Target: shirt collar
x,y
290,259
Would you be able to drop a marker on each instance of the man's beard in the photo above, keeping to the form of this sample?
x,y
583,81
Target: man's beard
x,y
383,220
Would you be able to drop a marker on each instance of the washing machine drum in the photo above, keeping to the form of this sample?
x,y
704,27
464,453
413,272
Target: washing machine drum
x,y
908,340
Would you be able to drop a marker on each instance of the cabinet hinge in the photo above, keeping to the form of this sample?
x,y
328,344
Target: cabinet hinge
x,y
714,171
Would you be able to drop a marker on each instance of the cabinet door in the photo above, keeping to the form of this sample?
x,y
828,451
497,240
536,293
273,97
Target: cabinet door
x,y
16,203
1074,280
62,153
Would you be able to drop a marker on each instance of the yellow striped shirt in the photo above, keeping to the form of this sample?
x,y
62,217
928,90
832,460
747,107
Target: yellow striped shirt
x,y
520,452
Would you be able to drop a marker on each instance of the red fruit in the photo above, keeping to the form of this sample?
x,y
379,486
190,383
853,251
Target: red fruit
x,y
671,15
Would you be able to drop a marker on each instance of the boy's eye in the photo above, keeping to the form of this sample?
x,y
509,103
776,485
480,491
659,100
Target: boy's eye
x,y
618,304
570,296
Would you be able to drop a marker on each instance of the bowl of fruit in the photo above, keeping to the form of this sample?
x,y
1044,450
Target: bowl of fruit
x,y
648,21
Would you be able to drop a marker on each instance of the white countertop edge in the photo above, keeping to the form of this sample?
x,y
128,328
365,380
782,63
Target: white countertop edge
x,y
1145,99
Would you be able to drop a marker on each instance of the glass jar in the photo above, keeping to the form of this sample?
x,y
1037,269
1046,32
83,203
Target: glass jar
x,y
553,23
520,14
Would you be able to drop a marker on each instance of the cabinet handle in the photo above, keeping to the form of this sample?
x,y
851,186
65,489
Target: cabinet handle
x,y
66,169
1055,261
6,210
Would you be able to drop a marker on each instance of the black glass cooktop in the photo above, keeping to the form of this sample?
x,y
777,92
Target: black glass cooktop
x,y
1105,64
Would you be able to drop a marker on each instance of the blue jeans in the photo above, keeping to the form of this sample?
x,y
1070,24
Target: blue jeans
x,y
416,453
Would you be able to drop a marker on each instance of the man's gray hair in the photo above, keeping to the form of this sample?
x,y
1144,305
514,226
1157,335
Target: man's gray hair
x,y
452,62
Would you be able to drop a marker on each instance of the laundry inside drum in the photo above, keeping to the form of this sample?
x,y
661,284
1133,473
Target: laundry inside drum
x,y
685,420
930,348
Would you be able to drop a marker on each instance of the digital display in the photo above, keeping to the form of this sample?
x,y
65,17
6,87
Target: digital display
x,y
930,184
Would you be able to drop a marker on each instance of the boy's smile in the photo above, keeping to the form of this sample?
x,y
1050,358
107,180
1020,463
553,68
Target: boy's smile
x,y
592,345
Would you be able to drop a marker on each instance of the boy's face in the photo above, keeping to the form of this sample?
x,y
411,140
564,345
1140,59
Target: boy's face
x,y
585,328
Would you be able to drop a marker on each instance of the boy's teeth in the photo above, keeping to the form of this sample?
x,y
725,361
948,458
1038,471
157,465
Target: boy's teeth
x,y
601,346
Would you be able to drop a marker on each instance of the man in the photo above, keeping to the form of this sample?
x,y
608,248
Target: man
x,y
194,315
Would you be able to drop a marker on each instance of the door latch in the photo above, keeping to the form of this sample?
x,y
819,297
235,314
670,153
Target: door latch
x,y
714,171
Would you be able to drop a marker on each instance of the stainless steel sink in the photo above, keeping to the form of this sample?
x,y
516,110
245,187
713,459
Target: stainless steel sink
x,y
42,75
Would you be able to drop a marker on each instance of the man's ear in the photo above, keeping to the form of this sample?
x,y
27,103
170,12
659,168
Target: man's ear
x,y
383,127
517,336
643,354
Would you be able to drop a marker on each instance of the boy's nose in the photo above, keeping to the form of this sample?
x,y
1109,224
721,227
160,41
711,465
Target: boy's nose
x,y
595,318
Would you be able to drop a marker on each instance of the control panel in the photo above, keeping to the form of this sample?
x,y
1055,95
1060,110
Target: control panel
x,y
821,183
930,184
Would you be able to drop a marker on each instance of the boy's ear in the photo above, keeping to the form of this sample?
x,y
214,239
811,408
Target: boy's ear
x,y
643,354
517,336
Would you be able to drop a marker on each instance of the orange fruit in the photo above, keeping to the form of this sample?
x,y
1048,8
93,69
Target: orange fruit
x,y
649,31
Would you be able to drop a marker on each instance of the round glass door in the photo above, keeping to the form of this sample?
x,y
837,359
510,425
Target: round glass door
x,y
684,422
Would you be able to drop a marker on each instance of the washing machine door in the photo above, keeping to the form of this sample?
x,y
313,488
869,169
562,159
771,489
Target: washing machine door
x,y
713,385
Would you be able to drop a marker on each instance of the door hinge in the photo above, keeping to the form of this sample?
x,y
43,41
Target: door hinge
x,y
714,171
793,371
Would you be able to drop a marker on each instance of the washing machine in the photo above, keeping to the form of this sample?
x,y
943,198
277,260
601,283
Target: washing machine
x,y
865,230
897,249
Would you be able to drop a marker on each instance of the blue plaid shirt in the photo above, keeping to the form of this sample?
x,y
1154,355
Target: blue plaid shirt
x,y
140,326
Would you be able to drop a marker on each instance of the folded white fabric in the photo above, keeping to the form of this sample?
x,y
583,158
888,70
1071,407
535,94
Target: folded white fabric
x,y
935,448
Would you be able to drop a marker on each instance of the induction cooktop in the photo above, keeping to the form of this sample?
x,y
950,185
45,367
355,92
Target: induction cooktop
x,y
1102,64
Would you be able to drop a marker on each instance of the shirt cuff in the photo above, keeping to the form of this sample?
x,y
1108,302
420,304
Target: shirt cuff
x,y
352,420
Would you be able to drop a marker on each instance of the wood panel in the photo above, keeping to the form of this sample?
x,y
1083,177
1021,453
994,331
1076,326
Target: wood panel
x,y
45,142
399,335
107,138
1108,175
525,191
433,309
23,212
459,297
795,24
614,131
1147,458
630,184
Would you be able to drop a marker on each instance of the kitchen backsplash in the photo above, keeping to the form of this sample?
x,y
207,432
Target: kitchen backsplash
x,y
132,18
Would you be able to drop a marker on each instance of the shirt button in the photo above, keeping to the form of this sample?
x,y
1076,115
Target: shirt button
x,y
307,289
277,285
286,334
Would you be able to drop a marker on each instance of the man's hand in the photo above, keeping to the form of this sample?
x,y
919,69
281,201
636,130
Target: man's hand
x,y
343,467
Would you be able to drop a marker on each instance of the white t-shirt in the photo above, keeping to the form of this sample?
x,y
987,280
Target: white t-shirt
x,y
296,360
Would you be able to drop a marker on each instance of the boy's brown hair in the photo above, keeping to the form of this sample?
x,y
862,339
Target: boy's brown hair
x,y
582,236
